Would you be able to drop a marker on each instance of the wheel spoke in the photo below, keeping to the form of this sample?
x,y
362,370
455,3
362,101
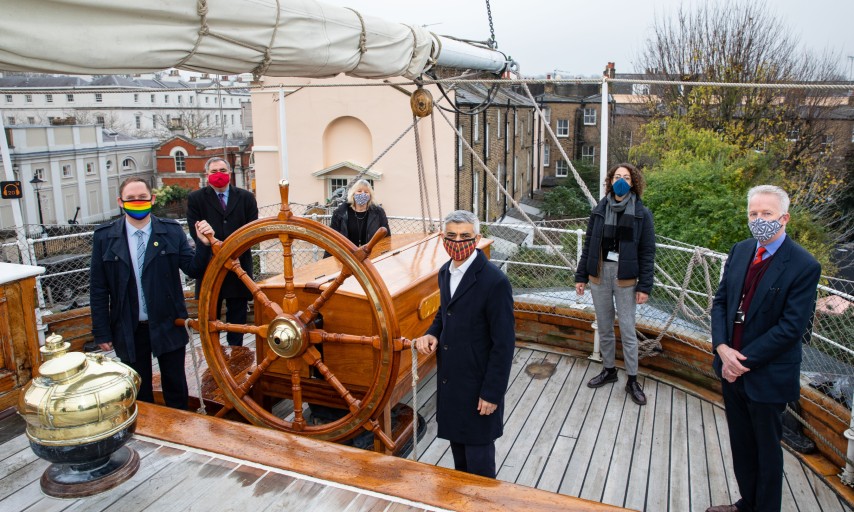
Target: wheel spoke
x,y
225,408
257,293
316,336
219,326
312,310
296,387
289,302
244,388
312,357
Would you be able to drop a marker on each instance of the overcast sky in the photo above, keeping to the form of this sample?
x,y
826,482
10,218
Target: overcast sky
x,y
581,37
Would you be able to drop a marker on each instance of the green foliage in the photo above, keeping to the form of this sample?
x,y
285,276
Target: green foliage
x,y
562,201
697,187
170,194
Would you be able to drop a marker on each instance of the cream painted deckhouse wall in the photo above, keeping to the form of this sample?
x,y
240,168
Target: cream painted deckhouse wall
x,y
332,132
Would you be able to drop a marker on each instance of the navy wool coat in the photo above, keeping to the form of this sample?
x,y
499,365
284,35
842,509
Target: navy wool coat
x,y
112,285
476,337
779,318
203,204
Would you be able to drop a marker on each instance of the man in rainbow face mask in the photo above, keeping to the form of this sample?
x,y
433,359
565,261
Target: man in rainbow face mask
x,y
136,291
474,339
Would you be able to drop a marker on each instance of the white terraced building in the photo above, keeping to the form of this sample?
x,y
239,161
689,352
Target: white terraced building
x,y
152,105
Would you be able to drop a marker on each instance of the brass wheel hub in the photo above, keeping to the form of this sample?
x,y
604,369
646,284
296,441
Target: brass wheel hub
x,y
287,337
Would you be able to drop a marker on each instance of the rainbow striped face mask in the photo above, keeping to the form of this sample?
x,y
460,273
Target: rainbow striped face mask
x,y
137,209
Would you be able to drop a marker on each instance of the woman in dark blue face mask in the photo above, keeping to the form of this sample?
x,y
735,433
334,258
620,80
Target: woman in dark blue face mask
x,y
617,260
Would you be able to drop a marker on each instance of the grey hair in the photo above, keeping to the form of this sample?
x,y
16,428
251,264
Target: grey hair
x,y
217,159
462,217
352,191
770,189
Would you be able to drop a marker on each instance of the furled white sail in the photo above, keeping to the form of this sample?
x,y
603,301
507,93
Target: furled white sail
x,y
265,37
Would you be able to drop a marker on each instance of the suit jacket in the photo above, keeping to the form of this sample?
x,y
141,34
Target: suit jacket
x,y
112,285
780,316
476,337
203,204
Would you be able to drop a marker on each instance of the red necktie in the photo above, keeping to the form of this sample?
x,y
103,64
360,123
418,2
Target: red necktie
x,y
222,200
758,259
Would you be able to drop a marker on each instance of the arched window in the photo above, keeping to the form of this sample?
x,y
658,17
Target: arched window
x,y
180,164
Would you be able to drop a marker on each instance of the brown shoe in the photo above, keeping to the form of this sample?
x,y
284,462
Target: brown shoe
x,y
635,392
603,378
722,508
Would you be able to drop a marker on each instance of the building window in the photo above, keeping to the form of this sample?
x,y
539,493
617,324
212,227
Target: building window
x,y
640,89
547,115
547,153
486,139
180,164
99,120
38,173
136,97
515,171
191,100
475,197
10,120
216,119
588,154
852,134
152,98
127,164
826,143
590,117
498,130
459,148
69,98
563,127
48,98
207,99
232,119
90,169
561,168
28,98
138,120
476,129
794,134
66,171
515,123
335,184
180,99
8,98
166,98
31,120
207,119
99,97
501,181
109,164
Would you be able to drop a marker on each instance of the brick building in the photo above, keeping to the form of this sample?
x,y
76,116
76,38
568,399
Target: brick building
x,y
181,160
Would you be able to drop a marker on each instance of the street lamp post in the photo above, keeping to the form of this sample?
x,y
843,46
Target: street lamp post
x,y
36,183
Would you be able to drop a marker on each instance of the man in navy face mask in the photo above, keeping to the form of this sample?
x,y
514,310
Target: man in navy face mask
x,y
474,338
761,313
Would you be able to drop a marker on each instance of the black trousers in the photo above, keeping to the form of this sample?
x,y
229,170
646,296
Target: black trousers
x,y
478,459
235,313
755,431
172,376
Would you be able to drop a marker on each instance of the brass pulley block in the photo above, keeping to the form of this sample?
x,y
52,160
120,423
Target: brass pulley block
x,y
421,102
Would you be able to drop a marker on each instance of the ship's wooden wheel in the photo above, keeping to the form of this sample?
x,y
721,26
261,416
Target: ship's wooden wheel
x,y
288,328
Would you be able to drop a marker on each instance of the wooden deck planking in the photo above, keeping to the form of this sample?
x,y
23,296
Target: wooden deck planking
x,y
726,451
700,493
522,446
800,486
718,484
827,499
659,465
544,446
622,458
636,490
593,486
680,484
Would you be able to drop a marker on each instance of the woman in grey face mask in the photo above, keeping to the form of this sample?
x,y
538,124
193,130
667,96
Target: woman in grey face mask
x,y
359,218
617,259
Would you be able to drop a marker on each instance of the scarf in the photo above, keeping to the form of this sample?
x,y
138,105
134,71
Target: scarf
x,y
627,208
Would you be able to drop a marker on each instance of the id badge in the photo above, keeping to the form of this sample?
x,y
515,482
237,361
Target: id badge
x,y
613,256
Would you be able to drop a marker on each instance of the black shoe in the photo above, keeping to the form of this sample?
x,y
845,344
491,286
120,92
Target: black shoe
x,y
603,378
635,391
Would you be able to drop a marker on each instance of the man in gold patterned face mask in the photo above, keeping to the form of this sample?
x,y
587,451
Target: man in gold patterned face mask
x,y
473,337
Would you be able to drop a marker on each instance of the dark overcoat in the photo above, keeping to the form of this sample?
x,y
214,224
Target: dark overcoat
x,y
476,337
203,204
376,219
112,285
779,317
637,256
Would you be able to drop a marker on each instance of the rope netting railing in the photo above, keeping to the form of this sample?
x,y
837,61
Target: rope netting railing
x,y
686,279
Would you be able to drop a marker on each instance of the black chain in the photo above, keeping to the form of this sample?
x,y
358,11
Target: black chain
x,y
492,42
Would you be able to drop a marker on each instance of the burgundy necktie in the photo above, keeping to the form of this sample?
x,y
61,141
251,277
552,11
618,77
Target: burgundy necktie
x,y
758,259
222,200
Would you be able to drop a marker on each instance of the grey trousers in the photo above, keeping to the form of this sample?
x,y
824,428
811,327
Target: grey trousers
x,y
605,294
